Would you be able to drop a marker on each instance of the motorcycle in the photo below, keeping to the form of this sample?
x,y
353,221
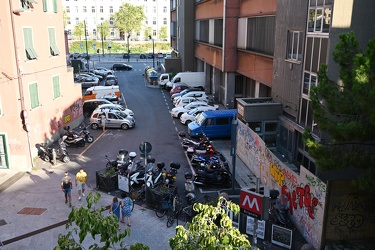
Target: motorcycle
x,y
72,139
198,159
206,151
278,211
210,174
171,176
136,173
154,176
186,142
189,188
49,154
85,133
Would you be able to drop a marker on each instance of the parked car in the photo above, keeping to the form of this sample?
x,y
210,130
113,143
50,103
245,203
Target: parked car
x,y
76,55
142,56
111,80
178,111
114,119
150,55
105,70
112,106
201,95
89,74
189,116
85,55
88,81
90,105
178,87
190,89
126,56
121,66
160,55
186,100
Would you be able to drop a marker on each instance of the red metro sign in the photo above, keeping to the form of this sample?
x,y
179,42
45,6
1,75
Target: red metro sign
x,y
253,204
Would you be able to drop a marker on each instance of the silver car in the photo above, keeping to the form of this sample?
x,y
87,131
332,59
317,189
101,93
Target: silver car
x,y
114,119
113,106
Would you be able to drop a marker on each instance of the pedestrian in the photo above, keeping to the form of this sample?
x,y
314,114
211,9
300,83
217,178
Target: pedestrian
x,y
102,120
66,187
81,177
115,207
127,205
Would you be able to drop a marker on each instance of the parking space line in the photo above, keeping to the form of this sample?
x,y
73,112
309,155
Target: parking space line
x,y
84,151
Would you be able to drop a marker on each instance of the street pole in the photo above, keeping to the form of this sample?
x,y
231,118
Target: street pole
x,y
101,28
153,52
233,149
87,54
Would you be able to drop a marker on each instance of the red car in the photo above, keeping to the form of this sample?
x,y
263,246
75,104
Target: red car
x,y
178,88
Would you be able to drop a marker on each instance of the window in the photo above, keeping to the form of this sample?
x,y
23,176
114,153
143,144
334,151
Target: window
x,y
76,9
154,20
294,46
27,4
94,32
154,9
165,9
110,9
84,9
4,162
54,51
319,16
77,20
56,87
218,32
261,34
101,9
34,97
165,21
111,20
68,20
154,32
93,9
29,47
316,53
67,9
50,6
204,31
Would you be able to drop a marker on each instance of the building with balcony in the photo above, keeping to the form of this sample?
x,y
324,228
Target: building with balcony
x,y
262,57
37,92
95,12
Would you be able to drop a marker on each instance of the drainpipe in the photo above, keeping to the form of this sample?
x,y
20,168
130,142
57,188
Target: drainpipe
x,y
19,78
224,24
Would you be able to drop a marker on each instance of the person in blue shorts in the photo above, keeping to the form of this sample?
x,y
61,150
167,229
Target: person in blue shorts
x,y
66,187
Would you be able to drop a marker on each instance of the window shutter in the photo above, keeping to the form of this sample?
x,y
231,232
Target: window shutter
x,y
55,6
56,86
45,5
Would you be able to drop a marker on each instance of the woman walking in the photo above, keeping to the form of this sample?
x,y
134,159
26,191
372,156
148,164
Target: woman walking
x,y
115,207
127,205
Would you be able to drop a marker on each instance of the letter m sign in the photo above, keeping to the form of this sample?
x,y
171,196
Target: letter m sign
x,y
251,204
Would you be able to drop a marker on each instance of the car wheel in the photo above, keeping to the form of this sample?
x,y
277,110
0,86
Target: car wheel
x,y
187,122
179,115
94,126
124,126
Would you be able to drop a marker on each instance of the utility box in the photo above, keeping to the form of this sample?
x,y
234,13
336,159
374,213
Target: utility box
x,y
77,66
258,109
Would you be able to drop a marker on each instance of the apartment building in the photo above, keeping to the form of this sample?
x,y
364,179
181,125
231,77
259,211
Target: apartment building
x,y
95,12
262,57
37,92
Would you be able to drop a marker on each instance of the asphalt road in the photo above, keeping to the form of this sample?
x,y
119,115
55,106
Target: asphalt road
x,y
153,124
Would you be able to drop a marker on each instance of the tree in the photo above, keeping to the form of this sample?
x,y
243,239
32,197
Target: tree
x,y
65,18
103,29
163,32
79,30
148,32
211,228
129,18
345,110
92,221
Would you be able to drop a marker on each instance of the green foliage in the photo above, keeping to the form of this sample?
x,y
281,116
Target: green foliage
x,y
89,220
79,30
345,110
103,29
211,228
129,18
148,32
163,32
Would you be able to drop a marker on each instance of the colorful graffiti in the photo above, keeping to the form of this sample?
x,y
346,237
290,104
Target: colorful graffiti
x,y
302,197
277,173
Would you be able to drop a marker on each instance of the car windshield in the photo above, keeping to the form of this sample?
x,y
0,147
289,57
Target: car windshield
x,y
192,112
200,119
121,114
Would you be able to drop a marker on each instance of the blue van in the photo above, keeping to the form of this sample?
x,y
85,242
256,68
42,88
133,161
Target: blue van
x,y
213,123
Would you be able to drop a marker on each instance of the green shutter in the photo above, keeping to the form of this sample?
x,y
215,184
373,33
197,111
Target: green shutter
x,y
52,42
28,39
55,6
4,161
56,87
45,8
34,98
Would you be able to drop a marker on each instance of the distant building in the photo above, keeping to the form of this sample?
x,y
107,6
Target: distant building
x,y
37,92
95,12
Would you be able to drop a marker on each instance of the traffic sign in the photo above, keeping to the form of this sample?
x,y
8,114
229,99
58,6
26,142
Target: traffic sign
x,y
81,45
94,46
145,147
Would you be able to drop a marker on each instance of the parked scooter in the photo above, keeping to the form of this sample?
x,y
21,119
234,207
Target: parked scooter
x,y
72,139
171,176
154,176
85,133
136,173
49,154
210,174
218,159
187,142
278,211
189,188
206,151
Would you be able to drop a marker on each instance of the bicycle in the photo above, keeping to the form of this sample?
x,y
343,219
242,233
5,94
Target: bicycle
x,y
166,203
174,211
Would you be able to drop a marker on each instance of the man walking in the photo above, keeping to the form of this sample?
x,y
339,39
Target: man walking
x,y
81,177
66,187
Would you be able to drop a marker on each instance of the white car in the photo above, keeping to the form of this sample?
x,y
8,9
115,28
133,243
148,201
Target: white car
x,y
178,111
105,70
113,106
186,100
189,116
197,94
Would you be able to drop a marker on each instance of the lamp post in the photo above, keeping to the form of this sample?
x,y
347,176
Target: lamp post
x,y
153,52
87,54
101,28
128,47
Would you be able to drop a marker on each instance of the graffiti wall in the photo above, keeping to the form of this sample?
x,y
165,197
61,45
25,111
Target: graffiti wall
x,y
305,193
350,214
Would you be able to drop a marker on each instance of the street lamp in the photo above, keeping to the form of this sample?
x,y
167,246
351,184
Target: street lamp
x,y
87,54
153,52
101,28
128,47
